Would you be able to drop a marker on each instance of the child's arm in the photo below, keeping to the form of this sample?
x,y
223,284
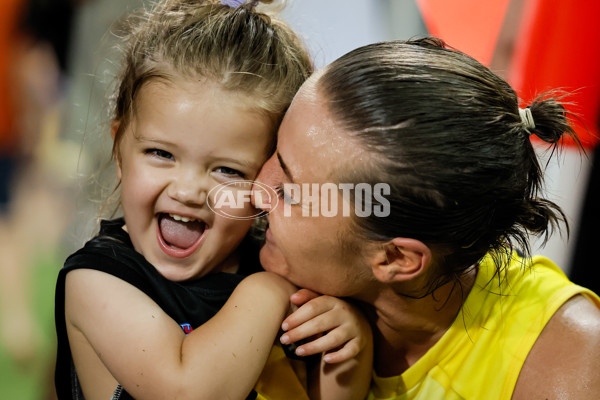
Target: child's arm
x,y
113,324
343,334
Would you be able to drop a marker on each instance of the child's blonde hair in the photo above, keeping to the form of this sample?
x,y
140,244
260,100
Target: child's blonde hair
x,y
243,50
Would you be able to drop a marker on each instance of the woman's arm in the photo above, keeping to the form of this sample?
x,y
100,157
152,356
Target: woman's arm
x,y
149,355
564,362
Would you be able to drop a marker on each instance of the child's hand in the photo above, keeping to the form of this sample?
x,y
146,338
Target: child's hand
x,y
303,296
341,328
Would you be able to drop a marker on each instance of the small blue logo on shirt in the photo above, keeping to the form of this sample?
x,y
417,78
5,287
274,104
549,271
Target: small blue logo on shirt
x,y
187,328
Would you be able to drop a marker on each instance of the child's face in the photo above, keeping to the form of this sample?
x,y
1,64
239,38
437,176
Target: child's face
x,y
186,138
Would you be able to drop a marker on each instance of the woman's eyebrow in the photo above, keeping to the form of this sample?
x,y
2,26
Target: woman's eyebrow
x,y
284,167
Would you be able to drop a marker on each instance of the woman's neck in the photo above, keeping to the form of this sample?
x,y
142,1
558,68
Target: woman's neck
x,y
406,328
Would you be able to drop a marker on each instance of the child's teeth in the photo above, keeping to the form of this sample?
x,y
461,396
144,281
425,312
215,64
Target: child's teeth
x,y
180,218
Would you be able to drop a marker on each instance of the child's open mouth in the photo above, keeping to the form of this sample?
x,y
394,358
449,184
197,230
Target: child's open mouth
x,y
179,236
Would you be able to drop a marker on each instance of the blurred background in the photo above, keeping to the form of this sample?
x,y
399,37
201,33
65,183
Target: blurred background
x,y
57,63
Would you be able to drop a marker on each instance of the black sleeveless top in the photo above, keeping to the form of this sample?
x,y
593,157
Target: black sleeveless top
x,y
189,303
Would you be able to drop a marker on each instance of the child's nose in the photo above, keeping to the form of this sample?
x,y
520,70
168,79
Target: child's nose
x,y
189,188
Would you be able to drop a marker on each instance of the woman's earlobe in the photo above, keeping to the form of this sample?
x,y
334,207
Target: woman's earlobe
x,y
401,259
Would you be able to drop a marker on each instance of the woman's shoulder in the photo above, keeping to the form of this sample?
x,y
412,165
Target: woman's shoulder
x,y
565,360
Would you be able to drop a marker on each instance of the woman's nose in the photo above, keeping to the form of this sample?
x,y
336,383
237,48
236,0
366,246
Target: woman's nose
x,y
264,195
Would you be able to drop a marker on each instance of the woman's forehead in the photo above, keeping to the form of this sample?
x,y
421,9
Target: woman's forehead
x,y
312,143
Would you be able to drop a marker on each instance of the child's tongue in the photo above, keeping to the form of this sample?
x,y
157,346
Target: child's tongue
x,y
180,234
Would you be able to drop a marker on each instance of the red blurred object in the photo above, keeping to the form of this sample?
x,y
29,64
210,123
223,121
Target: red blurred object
x,y
471,26
10,12
556,45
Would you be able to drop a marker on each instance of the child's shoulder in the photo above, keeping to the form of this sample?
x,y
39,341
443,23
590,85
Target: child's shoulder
x,y
112,252
112,229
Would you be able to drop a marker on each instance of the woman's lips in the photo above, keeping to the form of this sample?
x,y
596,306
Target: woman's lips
x,y
269,236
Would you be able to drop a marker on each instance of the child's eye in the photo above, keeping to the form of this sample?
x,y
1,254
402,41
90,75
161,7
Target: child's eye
x,y
230,172
160,153
282,194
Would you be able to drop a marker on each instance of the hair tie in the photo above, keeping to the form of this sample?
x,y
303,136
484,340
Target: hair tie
x,y
232,3
527,119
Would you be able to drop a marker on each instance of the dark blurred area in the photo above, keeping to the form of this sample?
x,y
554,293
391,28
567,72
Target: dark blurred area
x,y
50,21
43,171
34,43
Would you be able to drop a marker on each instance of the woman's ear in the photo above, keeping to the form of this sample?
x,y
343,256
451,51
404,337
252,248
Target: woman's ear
x,y
400,259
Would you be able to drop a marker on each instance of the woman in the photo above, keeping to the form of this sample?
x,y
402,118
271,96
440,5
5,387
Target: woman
x,y
456,311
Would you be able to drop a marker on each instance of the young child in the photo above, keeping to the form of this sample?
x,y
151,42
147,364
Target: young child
x,y
162,303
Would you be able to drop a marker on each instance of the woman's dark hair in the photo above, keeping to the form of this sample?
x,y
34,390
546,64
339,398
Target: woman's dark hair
x,y
447,135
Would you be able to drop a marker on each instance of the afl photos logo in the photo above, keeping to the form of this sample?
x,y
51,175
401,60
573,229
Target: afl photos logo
x,y
234,199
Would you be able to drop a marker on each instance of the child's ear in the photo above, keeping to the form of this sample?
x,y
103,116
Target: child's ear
x,y
114,128
400,259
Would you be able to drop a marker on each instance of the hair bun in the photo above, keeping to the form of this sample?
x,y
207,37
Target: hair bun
x,y
551,118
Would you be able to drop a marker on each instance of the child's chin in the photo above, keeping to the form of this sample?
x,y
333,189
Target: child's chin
x,y
178,273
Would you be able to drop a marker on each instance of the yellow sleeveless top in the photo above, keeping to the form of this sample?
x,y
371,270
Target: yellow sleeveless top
x,y
282,378
482,353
